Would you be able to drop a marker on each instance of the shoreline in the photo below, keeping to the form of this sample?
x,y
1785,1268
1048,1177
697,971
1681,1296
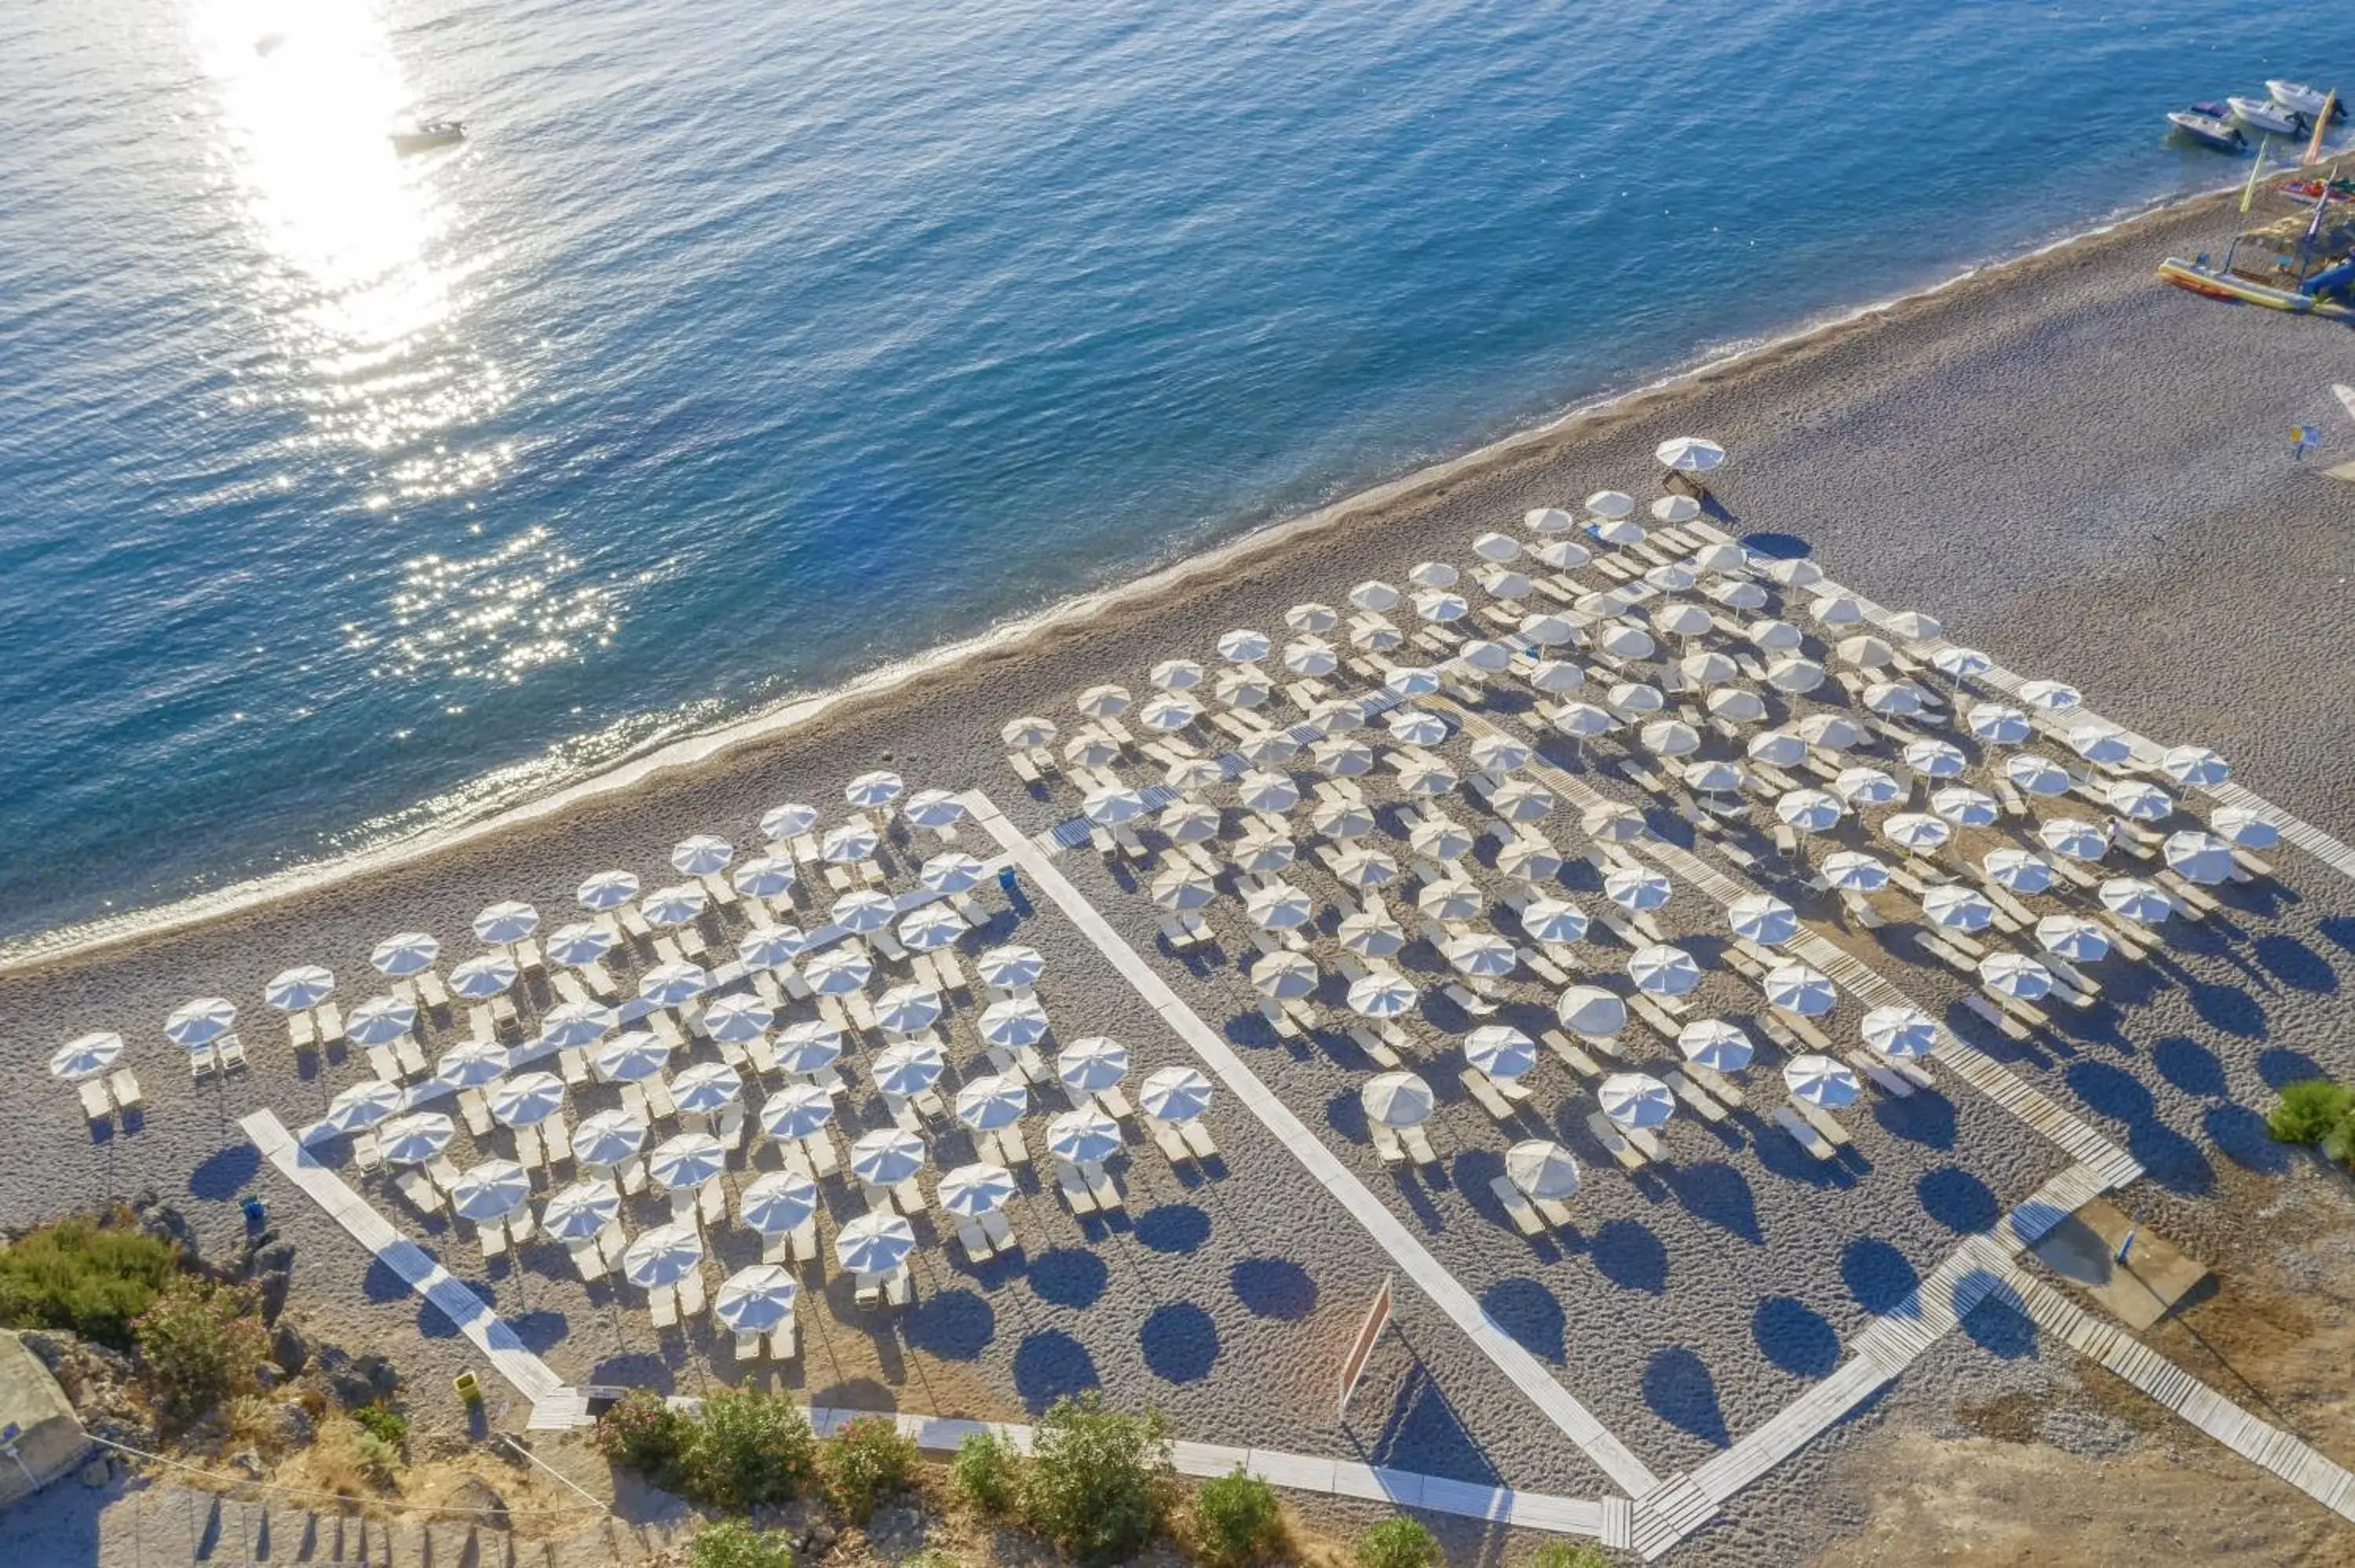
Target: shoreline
x,y
676,758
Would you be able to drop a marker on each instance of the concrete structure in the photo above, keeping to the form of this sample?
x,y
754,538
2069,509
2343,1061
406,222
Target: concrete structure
x,y
47,1440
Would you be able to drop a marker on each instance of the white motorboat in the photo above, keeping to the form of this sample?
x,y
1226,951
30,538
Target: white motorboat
x,y
2265,114
2307,101
2209,130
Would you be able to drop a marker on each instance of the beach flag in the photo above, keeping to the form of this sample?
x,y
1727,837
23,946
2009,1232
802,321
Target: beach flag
x,y
2321,123
2250,190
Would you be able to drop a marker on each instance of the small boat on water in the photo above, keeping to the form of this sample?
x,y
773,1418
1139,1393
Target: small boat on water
x,y
2205,123
428,134
2306,100
2264,115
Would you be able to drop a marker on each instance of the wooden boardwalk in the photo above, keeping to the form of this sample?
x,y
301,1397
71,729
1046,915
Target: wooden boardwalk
x,y
1412,1259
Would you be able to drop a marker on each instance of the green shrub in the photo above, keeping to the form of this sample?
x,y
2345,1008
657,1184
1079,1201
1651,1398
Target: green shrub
x,y
2310,1111
352,1461
867,1461
734,1544
931,1557
1237,1522
1563,1555
198,1346
387,1426
1098,1486
641,1433
1400,1542
987,1473
87,1278
752,1447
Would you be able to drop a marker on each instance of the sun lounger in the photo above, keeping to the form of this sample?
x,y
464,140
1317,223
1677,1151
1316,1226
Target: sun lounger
x,y
662,1306
231,1051
476,1108
1074,1187
412,1056
1686,1090
1803,1134
302,1033
422,1194
1880,1071
1606,1133
430,990
1484,1093
1516,1207
750,1348
1577,1061
1824,1122
588,1259
95,1106
493,1236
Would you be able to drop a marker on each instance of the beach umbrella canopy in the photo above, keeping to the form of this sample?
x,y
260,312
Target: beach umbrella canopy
x,y
1619,531
1866,651
1014,1022
1543,1169
2073,938
1500,752
1715,1044
1480,954
470,1064
1110,806
1621,640
1340,817
874,1243
1285,977
405,954
1310,657
2242,826
608,1138
972,1191
1500,1051
1591,1011
491,1191
1440,838
1243,646
1089,750
1895,699
1279,907
1836,610
1794,674
686,1161
793,818
1243,687
675,904
2053,696
1916,626
2016,975
1269,749
380,1020
1821,1080
87,1056
2017,870
952,872
1178,674
1416,727
864,910
1093,1064
1957,908
528,1099
414,1139
1708,669
304,985
363,1105
1795,988
1997,724
1777,748
1011,965
1175,1094
1853,871
630,1058
2034,775
778,1203
1963,806
1935,758
662,1256
1264,854
581,1210
1739,596
1662,968
1862,786
795,1110
701,854
580,944
1268,793
881,788
1396,1100
1453,899
838,971
1382,994
931,928
1411,681
910,1067
1433,604
1554,920
934,808
707,1088
1916,831
2195,766
1961,663
2143,802
1809,810
1495,547
1682,619
2130,896
1181,889
2075,838
1521,801
2100,744
1371,935
1167,713
1557,676
1615,504
904,1009
764,876
1342,758
1314,619
1637,888
1635,1099
1773,635
1763,918
671,985
484,976
1900,1031
756,1301
990,1102
1689,454
1794,571
1528,860
1831,732
1544,629
1084,1137
1669,737
851,842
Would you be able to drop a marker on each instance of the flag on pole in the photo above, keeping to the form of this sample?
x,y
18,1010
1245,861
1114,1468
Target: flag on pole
x,y
2249,191
2321,123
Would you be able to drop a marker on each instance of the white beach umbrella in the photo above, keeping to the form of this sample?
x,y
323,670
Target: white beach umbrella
x,y
1663,969
707,1088
1521,801
1715,1044
1411,681
952,872
1243,646
1315,619
1340,817
935,808
1763,918
1361,867
1622,641
1014,1022
1689,454
1794,571
838,971
1440,839
1916,831
1609,821
2073,938
1279,907
1554,920
1707,668
1592,1012
910,1067
702,854
581,1211
687,1162
581,943
848,845
1272,793
1821,1080
304,986
1528,860
608,1137
1176,1093
1810,811
991,1102
1853,871
1111,805
904,1009
864,910
1796,988
1900,1031
675,904
1957,908
1669,737
1396,1100
1376,633
1480,954
1182,888
2018,870
795,1110
1635,1099
769,946
1916,626
1836,610
1830,732
380,1020
1434,575
1178,674
414,1139
1997,724
1961,663
1084,1137
1713,778
778,1203
1310,657
1264,854
1501,754
2134,899
484,976
1673,578
2053,696
764,876
2141,802
1416,727
406,953
2034,775
470,1064
1543,1169
1168,713
662,1256
972,1191
491,1191
756,1301
1583,721
1370,934
363,1105
2100,744
1011,965
2075,838
1500,1051
793,818
574,1026
1637,888
1777,748
1375,596
1450,899
673,985
1681,619
1895,699
2195,766
1965,807
1739,594
1865,652
2198,857
1092,1064
2016,975
87,1056
1546,630
2244,827
931,928
874,1243
1544,520
880,787
1861,787
1794,674
1774,636
1091,751
1611,503
632,1057
1382,994
1555,676
527,1098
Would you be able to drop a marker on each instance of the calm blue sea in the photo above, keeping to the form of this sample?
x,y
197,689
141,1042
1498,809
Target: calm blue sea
x,y
744,347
